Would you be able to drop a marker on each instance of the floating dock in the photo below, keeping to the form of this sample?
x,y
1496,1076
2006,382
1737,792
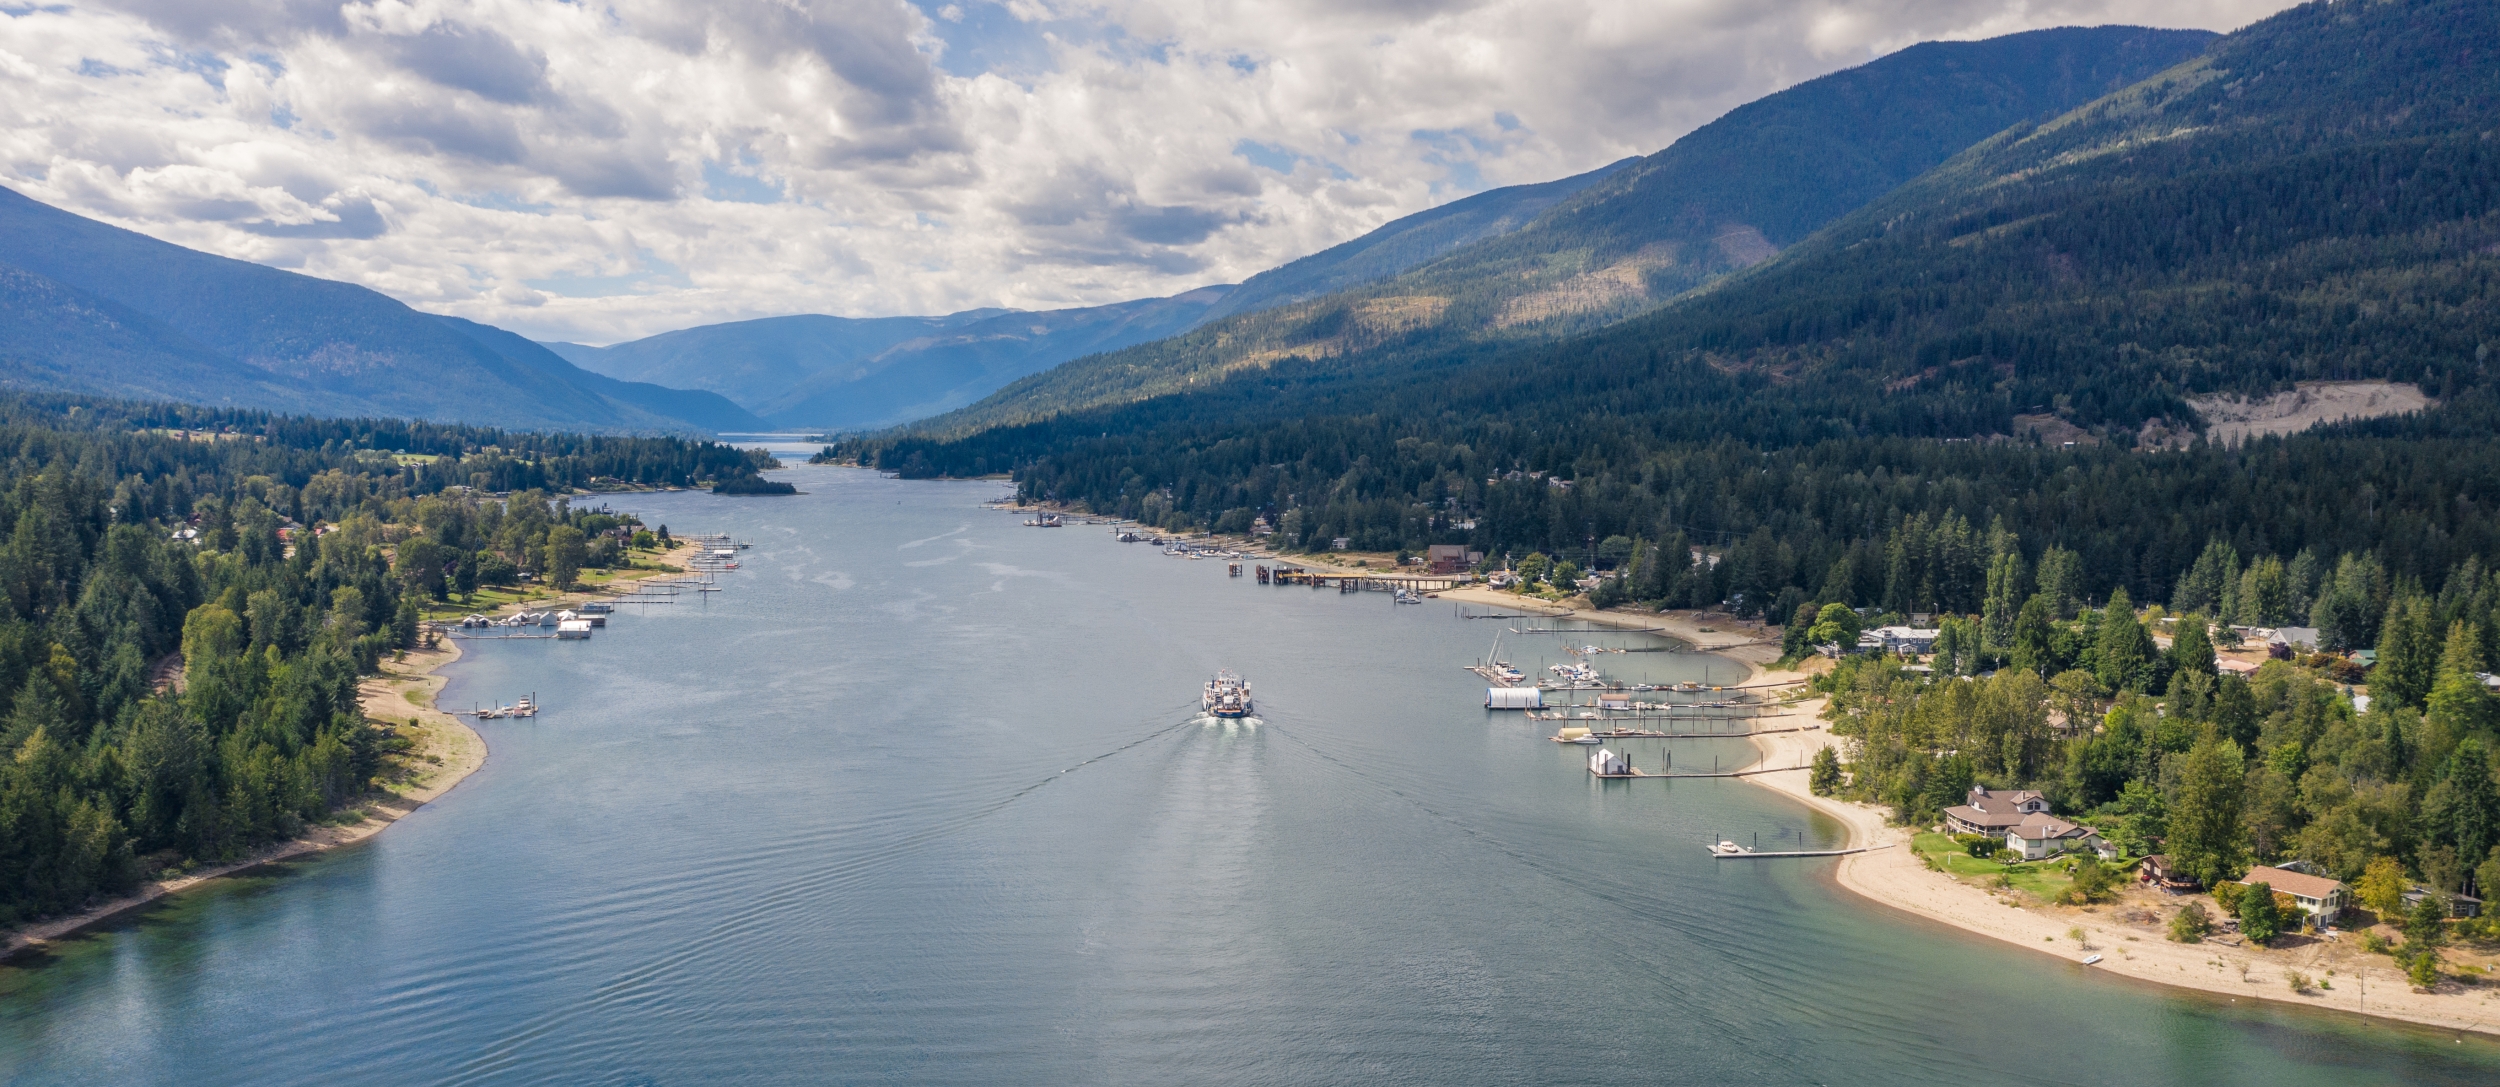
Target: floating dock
x,y
1751,855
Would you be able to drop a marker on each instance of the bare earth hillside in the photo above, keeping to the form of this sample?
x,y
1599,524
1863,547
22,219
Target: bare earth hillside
x,y
2231,420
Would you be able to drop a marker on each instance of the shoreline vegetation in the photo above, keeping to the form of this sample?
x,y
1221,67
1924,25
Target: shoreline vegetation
x,y
2127,934
400,698
195,597
443,751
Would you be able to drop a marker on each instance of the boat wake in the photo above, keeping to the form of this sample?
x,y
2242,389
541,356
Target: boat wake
x,y
1210,720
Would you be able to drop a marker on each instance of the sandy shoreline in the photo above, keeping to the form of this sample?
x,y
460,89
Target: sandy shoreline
x,y
1895,876
446,751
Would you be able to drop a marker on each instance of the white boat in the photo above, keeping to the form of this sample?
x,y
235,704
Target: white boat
x,y
1727,848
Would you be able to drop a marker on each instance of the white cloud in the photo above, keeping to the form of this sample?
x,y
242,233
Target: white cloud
x,y
606,169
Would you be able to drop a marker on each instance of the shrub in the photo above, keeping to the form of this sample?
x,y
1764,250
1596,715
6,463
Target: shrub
x,y
2006,856
2423,971
2297,980
2094,882
1824,778
1977,845
2191,924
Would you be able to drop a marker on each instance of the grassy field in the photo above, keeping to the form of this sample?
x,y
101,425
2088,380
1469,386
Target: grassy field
x,y
2044,880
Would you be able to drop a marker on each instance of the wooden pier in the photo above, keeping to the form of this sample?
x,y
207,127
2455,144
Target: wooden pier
x,y
1358,583
1750,855
1646,734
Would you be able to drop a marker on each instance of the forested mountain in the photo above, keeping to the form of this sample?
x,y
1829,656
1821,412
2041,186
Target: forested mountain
x,y
1405,242
107,776
750,362
838,373
93,308
1721,199
2309,199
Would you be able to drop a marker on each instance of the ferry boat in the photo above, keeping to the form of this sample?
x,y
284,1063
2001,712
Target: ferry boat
x,y
1227,695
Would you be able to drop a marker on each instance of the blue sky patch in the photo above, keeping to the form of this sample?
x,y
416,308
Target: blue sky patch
x,y
720,183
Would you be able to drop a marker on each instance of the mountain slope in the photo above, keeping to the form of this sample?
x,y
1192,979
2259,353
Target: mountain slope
x,y
710,411
1723,198
2317,197
54,336
839,373
95,308
750,362
1404,243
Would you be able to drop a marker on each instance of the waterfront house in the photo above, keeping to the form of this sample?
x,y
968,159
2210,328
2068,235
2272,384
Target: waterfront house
x,y
2459,905
1993,811
2039,837
2319,897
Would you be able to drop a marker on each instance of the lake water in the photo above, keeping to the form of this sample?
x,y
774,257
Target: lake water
x,y
922,797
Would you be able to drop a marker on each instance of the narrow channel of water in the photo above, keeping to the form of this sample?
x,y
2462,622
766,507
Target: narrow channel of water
x,y
922,798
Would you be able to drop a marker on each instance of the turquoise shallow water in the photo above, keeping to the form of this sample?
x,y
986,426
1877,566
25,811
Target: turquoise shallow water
x,y
921,798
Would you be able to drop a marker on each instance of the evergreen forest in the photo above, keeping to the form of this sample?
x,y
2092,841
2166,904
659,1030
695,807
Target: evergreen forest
x,y
192,597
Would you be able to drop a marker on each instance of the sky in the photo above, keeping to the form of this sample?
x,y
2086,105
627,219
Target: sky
x,y
602,170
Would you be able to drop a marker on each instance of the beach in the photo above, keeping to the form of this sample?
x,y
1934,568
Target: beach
x,y
2129,935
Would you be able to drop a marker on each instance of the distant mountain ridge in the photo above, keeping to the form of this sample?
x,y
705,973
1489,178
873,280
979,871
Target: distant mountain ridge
x,y
1724,198
89,307
842,373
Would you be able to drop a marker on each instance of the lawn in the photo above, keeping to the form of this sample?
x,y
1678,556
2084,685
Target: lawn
x,y
2044,880
490,597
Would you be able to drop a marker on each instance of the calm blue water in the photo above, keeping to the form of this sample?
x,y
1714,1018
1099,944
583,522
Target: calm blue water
x,y
921,799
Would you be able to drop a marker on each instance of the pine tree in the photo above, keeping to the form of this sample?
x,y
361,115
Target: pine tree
x,y
2190,649
2034,649
2462,811
2126,651
2408,657
2061,577
2005,596
2459,704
